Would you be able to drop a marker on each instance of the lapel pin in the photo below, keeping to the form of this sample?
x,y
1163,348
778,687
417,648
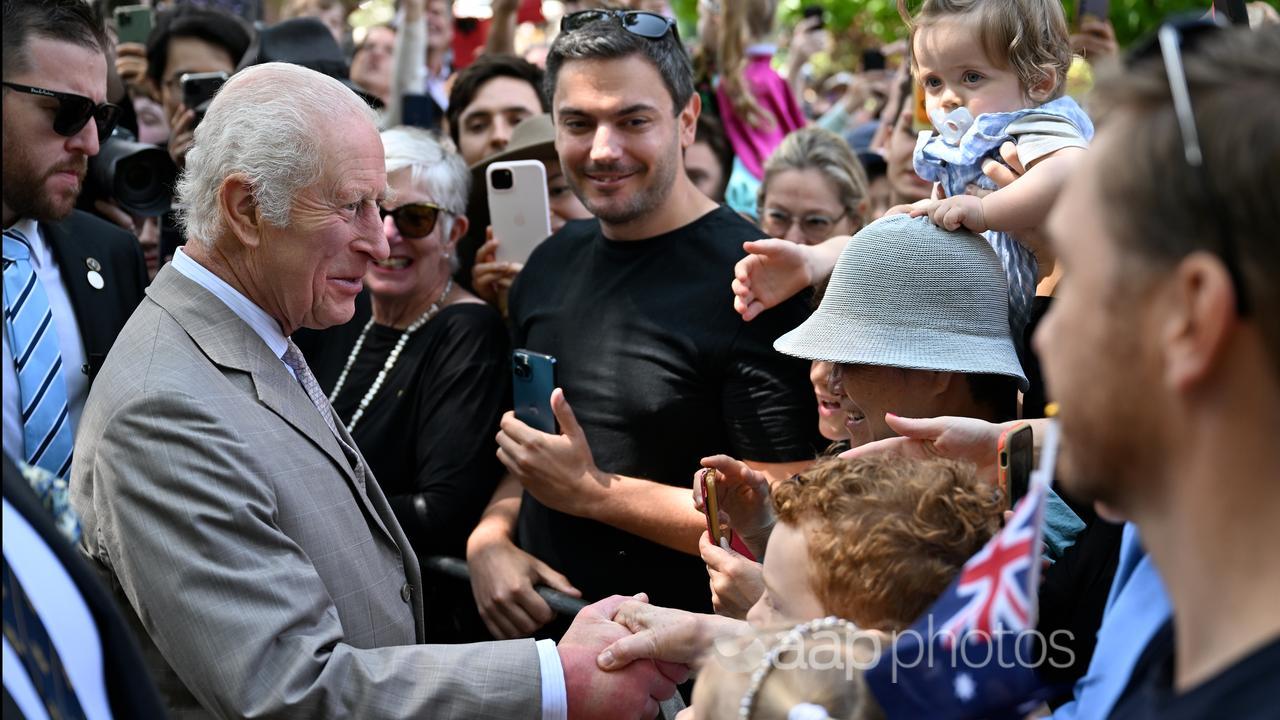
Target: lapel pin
x,y
94,276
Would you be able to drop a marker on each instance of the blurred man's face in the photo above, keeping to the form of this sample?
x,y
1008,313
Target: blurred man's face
x,y
43,171
620,147
371,66
486,124
1095,343
439,25
704,170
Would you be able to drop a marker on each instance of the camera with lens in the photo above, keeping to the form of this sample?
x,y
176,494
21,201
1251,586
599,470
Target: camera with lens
x,y
502,179
137,176
520,365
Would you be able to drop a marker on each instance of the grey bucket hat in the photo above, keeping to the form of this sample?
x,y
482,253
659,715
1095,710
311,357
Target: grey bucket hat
x,y
906,293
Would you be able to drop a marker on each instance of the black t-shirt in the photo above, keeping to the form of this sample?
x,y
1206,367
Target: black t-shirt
x,y
428,434
660,371
1244,691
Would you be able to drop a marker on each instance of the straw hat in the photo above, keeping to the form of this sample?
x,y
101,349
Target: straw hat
x,y
906,293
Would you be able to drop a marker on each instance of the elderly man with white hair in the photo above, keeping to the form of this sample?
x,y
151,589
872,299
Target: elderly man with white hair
x,y
231,509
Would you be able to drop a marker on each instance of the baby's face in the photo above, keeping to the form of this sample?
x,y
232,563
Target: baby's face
x,y
955,71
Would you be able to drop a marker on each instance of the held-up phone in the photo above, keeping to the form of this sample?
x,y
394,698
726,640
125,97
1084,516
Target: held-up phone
x,y
872,59
518,207
1100,9
711,504
533,377
815,11
420,111
198,90
1016,451
133,23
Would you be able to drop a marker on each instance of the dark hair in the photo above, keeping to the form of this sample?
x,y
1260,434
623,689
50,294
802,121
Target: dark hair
x,y
467,84
1232,77
996,394
187,21
711,132
70,21
607,40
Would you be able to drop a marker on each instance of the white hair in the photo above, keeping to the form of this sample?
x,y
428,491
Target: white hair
x,y
435,167
267,123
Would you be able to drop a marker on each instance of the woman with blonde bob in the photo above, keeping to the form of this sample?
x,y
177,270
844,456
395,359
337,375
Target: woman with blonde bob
x,y
814,188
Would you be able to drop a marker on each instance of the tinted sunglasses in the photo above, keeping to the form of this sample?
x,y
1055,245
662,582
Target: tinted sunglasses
x,y
413,220
637,22
75,111
1170,42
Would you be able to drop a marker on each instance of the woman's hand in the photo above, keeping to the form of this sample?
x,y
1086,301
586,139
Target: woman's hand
x,y
742,495
131,64
955,438
772,271
736,582
491,280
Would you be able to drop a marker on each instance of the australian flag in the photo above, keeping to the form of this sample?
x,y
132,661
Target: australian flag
x,y
974,653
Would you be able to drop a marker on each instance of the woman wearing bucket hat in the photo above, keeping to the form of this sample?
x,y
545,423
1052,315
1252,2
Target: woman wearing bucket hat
x,y
533,139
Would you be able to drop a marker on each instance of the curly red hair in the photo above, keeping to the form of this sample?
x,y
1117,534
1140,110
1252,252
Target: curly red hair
x,y
887,535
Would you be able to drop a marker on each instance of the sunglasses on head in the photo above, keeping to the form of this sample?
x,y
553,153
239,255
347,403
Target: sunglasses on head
x,y
1171,41
637,22
413,220
75,111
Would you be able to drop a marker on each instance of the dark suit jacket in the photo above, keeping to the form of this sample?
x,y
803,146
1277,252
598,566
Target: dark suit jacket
x,y
129,687
77,240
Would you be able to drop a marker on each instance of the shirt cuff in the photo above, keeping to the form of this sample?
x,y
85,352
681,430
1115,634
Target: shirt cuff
x,y
555,704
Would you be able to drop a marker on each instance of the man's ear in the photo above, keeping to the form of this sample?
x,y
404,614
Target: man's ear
x,y
688,120
240,210
1199,318
1044,87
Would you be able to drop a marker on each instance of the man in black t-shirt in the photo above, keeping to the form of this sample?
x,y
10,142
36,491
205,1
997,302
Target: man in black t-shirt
x,y
1163,346
660,370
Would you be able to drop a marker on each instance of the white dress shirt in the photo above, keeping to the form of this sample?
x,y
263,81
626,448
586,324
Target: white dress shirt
x,y
75,373
555,704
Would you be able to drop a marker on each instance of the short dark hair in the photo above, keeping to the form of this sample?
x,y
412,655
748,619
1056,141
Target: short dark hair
x,y
70,21
468,82
188,21
997,395
607,40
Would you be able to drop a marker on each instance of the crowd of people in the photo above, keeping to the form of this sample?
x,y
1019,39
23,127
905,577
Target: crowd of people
x,y
265,453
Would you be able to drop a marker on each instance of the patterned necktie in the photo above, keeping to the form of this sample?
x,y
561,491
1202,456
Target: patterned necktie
x,y
298,364
33,339
30,641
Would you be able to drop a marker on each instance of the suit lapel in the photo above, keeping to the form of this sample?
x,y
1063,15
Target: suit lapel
x,y
71,258
229,342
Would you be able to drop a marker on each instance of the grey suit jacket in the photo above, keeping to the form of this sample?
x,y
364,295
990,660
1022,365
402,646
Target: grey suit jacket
x,y
268,580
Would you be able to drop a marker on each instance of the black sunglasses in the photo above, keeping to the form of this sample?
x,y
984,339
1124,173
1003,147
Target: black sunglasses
x,y
637,22
75,111
413,220
1170,41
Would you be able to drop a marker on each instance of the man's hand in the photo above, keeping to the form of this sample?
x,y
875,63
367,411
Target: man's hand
x,y
558,470
668,634
956,438
502,580
490,279
181,133
631,692
772,271
743,495
736,582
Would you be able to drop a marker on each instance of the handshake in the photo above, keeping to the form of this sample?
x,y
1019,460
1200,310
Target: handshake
x,y
623,690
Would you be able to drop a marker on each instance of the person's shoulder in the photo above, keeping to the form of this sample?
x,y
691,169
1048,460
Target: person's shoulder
x,y
89,227
475,325
568,237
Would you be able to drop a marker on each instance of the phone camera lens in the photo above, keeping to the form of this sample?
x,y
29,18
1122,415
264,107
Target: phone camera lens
x,y
502,180
521,366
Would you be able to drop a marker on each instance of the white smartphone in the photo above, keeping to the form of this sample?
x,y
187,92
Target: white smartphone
x,y
518,207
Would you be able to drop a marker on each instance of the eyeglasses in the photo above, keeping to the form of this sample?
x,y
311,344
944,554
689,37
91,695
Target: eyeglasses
x,y
413,220
814,227
75,111
1171,38
637,22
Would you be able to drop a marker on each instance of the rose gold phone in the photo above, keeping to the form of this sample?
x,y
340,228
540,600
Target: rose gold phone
x,y
711,504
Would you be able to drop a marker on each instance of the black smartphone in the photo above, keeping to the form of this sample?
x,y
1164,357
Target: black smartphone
x,y
872,59
198,90
1100,9
420,111
533,377
133,23
1017,452
816,11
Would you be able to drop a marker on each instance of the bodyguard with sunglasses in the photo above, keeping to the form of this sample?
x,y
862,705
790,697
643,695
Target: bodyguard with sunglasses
x,y
1163,349
71,280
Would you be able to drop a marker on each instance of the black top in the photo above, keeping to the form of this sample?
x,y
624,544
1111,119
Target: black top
x,y
1244,691
428,435
660,371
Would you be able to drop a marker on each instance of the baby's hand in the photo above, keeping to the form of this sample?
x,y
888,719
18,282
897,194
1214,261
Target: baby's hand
x,y
954,212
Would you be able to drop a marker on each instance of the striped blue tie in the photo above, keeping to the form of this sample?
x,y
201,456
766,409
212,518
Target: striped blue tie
x,y
33,340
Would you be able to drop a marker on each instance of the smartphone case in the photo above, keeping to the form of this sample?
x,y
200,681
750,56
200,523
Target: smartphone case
x,y
520,214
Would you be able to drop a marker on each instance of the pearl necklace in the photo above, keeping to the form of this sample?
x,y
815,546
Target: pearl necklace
x,y
391,359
